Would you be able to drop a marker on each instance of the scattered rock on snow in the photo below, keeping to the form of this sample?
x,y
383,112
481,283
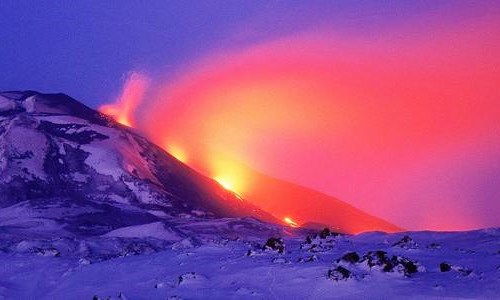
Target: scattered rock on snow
x,y
190,278
406,242
434,246
351,257
53,252
184,244
339,273
320,242
122,296
380,260
375,258
444,267
84,261
463,271
274,244
309,258
323,234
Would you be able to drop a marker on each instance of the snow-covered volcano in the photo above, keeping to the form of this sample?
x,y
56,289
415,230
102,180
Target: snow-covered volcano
x,y
89,209
67,170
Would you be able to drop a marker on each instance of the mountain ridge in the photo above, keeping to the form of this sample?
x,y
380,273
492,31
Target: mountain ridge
x,y
58,154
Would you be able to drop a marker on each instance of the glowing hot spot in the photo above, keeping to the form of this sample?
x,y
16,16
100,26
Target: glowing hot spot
x,y
225,183
123,108
227,173
290,222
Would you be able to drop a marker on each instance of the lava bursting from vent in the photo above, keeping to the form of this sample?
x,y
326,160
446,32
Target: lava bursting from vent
x,y
124,107
394,124
290,222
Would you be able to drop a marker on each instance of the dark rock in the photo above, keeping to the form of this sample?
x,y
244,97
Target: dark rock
x,y
434,246
390,264
351,257
51,251
320,242
410,267
312,258
185,277
406,242
325,233
274,244
375,258
444,267
339,273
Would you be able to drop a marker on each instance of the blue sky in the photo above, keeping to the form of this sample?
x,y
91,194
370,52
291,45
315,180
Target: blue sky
x,y
86,48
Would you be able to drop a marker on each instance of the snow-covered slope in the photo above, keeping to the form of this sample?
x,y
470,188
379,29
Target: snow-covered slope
x,y
67,170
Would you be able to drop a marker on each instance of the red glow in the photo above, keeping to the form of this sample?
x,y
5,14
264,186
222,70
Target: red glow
x,y
383,123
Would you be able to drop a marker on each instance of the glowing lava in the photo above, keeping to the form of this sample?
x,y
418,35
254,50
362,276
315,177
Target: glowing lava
x,y
225,183
290,222
123,107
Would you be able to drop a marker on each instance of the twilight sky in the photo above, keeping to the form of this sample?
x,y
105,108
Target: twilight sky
x,y
392,106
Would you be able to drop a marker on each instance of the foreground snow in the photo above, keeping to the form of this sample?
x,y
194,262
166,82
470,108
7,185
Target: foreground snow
x,y
218,268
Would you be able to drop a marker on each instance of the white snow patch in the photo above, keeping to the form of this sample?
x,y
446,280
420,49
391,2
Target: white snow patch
x,y
29,144
6,104
158,213
143,194
64,120
154,230
103,159
79,177
118,199
29,104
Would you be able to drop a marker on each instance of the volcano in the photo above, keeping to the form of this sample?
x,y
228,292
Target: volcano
x,y
101,176
68,170
90,209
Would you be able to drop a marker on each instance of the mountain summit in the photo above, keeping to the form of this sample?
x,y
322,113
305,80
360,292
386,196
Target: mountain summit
x,y
68,170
